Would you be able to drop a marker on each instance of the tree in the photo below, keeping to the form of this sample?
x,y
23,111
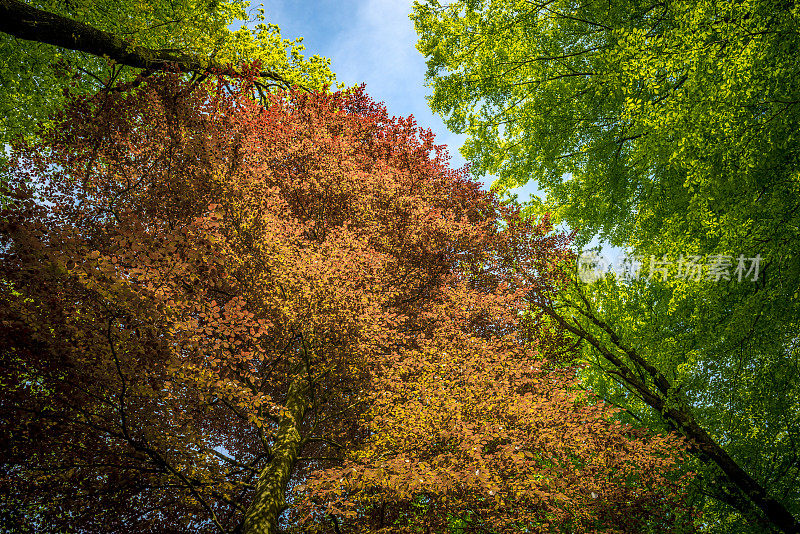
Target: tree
x,y
50,47
669,129
207,303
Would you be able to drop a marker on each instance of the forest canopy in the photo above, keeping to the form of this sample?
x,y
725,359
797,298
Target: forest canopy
x,y
235,297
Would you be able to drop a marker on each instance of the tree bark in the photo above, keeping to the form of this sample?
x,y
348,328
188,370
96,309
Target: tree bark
x,y
270,496
27,22
775,512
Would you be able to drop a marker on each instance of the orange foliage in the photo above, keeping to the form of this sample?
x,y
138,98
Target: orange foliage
x,y
189,279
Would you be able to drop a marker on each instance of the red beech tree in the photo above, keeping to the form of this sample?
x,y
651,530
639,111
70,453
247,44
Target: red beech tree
x,y
214,312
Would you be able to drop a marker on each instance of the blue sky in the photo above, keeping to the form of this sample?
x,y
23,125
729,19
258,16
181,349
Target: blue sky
x,y
370,41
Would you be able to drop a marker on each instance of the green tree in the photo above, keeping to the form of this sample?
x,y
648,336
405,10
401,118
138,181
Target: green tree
x,y
50,47
669,128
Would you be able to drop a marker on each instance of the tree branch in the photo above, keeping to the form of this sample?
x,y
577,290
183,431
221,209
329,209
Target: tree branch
x,y
26,22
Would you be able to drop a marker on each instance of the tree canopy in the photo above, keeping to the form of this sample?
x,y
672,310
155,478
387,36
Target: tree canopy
x,y
635,118
671,129
223,316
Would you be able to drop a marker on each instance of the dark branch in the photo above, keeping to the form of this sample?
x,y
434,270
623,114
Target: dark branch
x,y
27,22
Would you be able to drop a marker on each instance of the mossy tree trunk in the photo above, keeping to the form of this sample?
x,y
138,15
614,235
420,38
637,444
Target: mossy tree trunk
x,y
270,496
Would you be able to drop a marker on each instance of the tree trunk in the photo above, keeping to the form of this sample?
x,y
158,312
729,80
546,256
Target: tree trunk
x,y
270,497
